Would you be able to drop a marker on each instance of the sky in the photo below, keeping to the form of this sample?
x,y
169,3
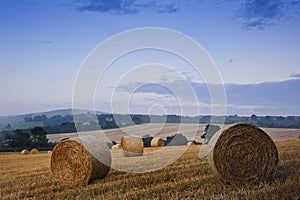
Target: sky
x,y
254,44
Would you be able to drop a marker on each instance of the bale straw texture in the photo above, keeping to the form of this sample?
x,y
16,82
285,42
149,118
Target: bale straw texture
x,y
116,146
190,143
34,151
132,146
157,142
78,161
244,154
25,152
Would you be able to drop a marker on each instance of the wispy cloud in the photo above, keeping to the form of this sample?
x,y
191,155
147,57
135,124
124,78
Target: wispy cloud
x,y
263,98
29,3
47,42
294,7
114,6
159,6
252,14
125,6
260,14
295,75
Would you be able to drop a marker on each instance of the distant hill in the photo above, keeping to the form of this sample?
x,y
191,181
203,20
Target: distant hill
x,y
17,121
62,121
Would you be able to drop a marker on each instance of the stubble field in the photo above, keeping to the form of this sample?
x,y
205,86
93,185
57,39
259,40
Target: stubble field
x,y
29,177
162,130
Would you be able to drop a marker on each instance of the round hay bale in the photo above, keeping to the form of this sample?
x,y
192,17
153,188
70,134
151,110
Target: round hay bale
x,y
244,154
34,151
49,152
79,161
116,146
157,142
132,146
25,152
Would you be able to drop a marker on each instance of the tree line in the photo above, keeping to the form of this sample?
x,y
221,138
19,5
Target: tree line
x,y
88,122
107,121
19,139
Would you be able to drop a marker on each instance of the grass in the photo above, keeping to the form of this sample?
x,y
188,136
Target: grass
x,y
28,177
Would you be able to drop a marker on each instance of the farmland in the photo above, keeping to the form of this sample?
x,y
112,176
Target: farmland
x,y
29,177
166,129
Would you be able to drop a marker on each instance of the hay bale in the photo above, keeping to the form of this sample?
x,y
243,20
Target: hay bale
x,y
116,146
34,151
244,154
191,143
157,142
132,146
49,152
80,160
25,152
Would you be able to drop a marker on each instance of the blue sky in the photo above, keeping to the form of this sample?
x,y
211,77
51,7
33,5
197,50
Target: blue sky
x,y
254,43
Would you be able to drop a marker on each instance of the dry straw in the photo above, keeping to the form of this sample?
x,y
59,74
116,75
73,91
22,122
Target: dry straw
x,y
132,146
116,146
157,142
190,143
34,151
244,154
25,152
79,161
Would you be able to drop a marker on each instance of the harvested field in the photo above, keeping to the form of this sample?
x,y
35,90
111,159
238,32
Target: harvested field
x,y
28,177
164,130
157,130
